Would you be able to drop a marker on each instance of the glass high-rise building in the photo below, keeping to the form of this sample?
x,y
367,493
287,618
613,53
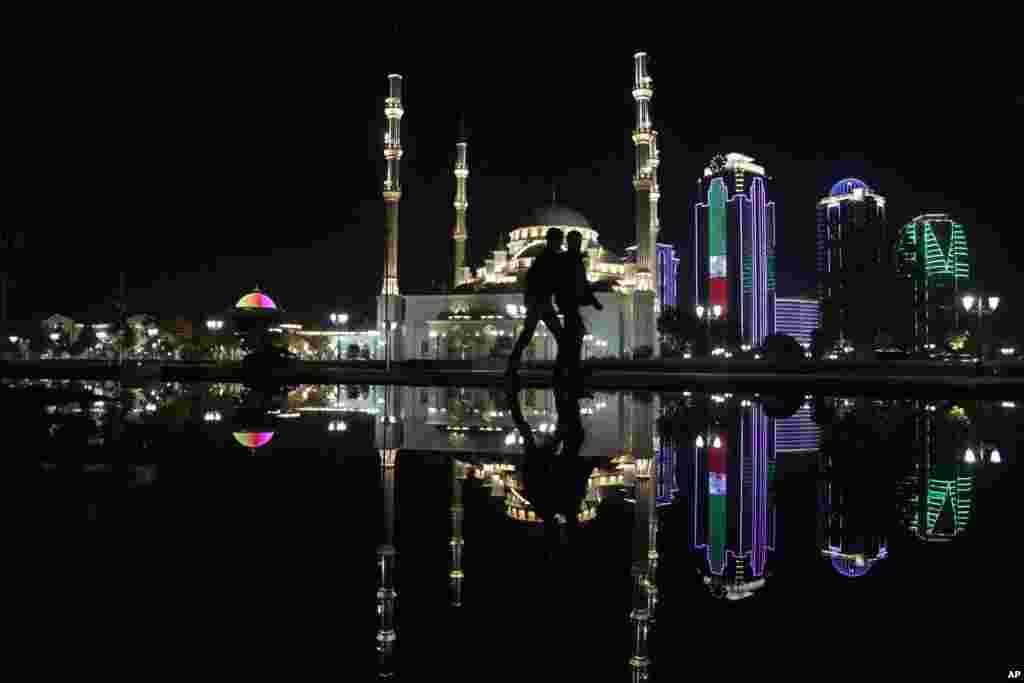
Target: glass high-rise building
x,y
854,258
733,246
932,253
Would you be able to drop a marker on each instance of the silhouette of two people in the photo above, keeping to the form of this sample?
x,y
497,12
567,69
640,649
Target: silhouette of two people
x,y
560,275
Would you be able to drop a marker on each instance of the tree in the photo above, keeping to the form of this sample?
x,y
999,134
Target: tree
x,y
352,352
676,328
85,343
126,339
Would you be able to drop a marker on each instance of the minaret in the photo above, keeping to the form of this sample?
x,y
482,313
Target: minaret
x,y
645,529
645,184
461,204
456,543
389,309
386,594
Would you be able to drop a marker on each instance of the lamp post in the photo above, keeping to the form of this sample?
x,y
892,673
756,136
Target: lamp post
x,y
215,325
983,453
968,301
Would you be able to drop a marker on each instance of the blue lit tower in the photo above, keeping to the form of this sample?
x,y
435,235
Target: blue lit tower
x,y
733,467
853,260
733,246
932,251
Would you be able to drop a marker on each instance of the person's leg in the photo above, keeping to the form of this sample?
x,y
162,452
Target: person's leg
x,y
529,327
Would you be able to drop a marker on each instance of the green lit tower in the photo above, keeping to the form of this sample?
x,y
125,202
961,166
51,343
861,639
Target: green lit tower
x,y
932,251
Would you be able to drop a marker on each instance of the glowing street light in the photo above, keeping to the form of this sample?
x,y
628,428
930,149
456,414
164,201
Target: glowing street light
x,y
968,301
214,325
13,339
54,336
969,456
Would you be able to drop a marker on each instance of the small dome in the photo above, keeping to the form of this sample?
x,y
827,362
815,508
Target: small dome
x,y
848,185
556,215
253,439
256,299
850,568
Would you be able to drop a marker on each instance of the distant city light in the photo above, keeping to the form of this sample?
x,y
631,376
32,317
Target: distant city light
x,y
969,456
995,457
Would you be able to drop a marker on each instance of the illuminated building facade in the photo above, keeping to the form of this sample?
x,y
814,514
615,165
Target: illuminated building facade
x,y
483,311
798,318
933,254
798,433
668,273
733,466
854,258
733,246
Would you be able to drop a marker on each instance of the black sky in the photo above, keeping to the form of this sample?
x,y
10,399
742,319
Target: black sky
x,y
211,155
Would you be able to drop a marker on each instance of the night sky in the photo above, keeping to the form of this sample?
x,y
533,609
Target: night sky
x,y
213,158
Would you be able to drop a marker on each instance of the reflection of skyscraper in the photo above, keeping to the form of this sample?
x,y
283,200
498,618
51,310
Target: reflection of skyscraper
x,y
733,246
797,433
850,531
733,519
939,494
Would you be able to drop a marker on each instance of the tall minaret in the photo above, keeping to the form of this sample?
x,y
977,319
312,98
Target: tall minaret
x,y
461,204
389,309
645,184
456,542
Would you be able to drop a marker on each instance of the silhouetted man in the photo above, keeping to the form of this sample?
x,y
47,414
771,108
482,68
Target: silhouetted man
x,y
541,281
573,291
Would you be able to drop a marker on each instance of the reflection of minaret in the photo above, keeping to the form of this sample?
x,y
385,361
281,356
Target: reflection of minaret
x,y
461,204
733,520
456,543
389,309
388,439
646,185
386,594
645,530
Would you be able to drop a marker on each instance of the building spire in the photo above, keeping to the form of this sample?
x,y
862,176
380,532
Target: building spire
x,y
461,234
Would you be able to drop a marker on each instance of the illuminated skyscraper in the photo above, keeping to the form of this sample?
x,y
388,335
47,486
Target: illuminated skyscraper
x,y
854,257
733,244
932,252
851,532
797,318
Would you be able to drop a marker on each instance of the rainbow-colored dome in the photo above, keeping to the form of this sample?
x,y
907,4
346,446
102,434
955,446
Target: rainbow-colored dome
x,y
253,439
256,300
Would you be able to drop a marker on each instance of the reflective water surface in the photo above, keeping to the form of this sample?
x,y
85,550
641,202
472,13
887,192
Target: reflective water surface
x,y
478,533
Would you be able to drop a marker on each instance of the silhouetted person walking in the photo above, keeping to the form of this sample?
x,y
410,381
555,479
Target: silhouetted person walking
x,y
541,281
573,291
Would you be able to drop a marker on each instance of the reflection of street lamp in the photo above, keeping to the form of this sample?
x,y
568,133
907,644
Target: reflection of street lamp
x,y
705,315
986,453
968,301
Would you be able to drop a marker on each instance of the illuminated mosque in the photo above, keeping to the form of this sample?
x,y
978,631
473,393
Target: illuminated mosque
x,y
484,309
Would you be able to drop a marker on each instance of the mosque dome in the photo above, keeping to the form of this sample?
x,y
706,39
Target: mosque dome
x,y
256,299
848,185
555,215
253,439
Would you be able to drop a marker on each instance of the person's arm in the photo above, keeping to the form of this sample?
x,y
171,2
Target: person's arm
x,y
584,292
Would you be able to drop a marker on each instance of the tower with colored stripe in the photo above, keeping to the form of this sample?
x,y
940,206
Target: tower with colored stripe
x,y
733,247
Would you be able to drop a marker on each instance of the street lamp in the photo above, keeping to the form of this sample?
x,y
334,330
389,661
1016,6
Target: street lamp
x,y
968,301
13,339
214,325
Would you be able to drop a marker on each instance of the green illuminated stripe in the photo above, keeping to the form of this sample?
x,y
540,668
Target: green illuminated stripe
x,y
717,528
716,218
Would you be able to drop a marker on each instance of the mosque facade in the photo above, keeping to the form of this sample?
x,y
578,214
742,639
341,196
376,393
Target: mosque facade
x,y
484,310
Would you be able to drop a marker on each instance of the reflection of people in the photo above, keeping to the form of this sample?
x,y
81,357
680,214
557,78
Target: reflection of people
x,y
555,478
541,282
573,291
